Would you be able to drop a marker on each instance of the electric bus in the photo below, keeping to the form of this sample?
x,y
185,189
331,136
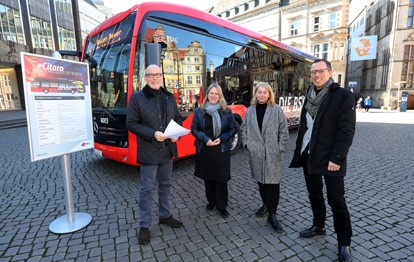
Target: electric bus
x,y
194,49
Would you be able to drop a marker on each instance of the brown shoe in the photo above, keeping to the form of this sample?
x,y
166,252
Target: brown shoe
x,y
174,223
143,236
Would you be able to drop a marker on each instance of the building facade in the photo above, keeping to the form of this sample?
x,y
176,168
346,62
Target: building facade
x,y
391,72
39,27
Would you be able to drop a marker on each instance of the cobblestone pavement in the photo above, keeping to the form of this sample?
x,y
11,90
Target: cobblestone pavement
x,y
379,186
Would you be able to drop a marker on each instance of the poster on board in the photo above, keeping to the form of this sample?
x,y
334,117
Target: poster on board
x,y
58,106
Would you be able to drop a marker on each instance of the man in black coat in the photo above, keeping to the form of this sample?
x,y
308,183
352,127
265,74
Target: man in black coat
x,y
149,112
325,135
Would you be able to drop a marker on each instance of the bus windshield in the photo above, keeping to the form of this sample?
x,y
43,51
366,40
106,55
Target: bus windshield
x,y
108,56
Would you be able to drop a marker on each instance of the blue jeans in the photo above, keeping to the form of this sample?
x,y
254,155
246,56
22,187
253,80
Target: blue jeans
x,y
149,176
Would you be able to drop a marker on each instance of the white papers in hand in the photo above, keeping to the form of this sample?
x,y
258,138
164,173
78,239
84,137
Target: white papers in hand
x,y
174,130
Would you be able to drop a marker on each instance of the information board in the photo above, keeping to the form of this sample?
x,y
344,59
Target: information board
x,y
58,106
404,100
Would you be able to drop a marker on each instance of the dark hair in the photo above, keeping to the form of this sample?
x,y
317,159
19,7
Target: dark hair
x,y
327,63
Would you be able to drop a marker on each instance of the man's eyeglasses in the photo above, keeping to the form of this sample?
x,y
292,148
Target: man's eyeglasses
x,y
158,75
319,71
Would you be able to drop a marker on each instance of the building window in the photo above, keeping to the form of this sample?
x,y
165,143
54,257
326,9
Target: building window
x,y
198,80
407,72
256,3
189,69
294,29
11,25
197,68
66,39
196,59
236,10
188,59
386,62
410,16
189,80
41,33
333,23
246,6
227,14
316,24
321,50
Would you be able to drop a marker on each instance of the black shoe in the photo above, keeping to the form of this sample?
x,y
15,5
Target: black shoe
x,y
143,236
312,231
170,221
345,254
210,207
275,224
262,211
224,213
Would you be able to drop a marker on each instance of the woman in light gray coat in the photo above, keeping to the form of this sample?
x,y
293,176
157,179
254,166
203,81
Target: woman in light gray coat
x,y
265,135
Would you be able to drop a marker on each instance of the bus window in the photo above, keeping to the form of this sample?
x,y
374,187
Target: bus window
x,y
108,55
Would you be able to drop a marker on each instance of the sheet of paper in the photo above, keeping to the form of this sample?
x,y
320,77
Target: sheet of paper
x,y
174,130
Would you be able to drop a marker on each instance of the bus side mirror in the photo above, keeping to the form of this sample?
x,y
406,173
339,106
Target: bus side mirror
x,y
152,54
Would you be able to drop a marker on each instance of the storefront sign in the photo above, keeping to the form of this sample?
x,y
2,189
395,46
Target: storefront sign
x,y
58,106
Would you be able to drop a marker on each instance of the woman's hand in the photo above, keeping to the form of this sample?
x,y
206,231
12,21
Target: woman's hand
x,y
213,143
210,143
216,142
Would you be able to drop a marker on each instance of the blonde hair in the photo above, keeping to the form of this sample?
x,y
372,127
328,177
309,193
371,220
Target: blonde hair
x,y
270,101
221,97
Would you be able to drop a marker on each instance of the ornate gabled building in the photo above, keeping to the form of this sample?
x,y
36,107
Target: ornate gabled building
x,y
317,27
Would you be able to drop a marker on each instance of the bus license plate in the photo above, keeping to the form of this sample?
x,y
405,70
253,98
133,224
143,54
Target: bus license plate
x,y
98,152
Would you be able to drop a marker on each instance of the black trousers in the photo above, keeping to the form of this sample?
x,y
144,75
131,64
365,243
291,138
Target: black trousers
x,y
270,194
217,194
335,190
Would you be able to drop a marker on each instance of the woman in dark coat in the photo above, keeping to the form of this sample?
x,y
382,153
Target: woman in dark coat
x,y
214,128
265,134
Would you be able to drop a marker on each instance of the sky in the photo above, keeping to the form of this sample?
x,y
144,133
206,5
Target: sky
x,y
121,5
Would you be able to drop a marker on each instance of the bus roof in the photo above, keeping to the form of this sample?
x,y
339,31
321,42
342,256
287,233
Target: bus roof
x,y
146,7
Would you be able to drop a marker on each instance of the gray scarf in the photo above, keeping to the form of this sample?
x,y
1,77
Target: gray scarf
x,y
212,110
314,100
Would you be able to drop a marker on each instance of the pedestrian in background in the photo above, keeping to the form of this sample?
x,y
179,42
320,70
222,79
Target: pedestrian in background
x,y
367,103
265,134
326,132
214,128
149,112
359,104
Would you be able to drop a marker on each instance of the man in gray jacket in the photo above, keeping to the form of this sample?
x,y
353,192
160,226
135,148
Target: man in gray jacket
x,y
149,112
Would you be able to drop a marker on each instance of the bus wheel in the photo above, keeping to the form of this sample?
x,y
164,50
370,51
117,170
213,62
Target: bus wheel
x,y
46,91
235,145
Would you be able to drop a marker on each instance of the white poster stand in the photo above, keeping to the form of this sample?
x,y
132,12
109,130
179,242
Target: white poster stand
x,y
59,119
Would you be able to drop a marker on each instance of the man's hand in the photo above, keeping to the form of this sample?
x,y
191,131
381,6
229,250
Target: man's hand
x,y
333,167
159,136
174,139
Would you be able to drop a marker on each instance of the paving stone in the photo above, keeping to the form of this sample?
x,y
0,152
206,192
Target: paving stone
x,y
380,204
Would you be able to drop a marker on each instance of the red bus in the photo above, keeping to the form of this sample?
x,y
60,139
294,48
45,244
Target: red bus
x,y
47,85
194,49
